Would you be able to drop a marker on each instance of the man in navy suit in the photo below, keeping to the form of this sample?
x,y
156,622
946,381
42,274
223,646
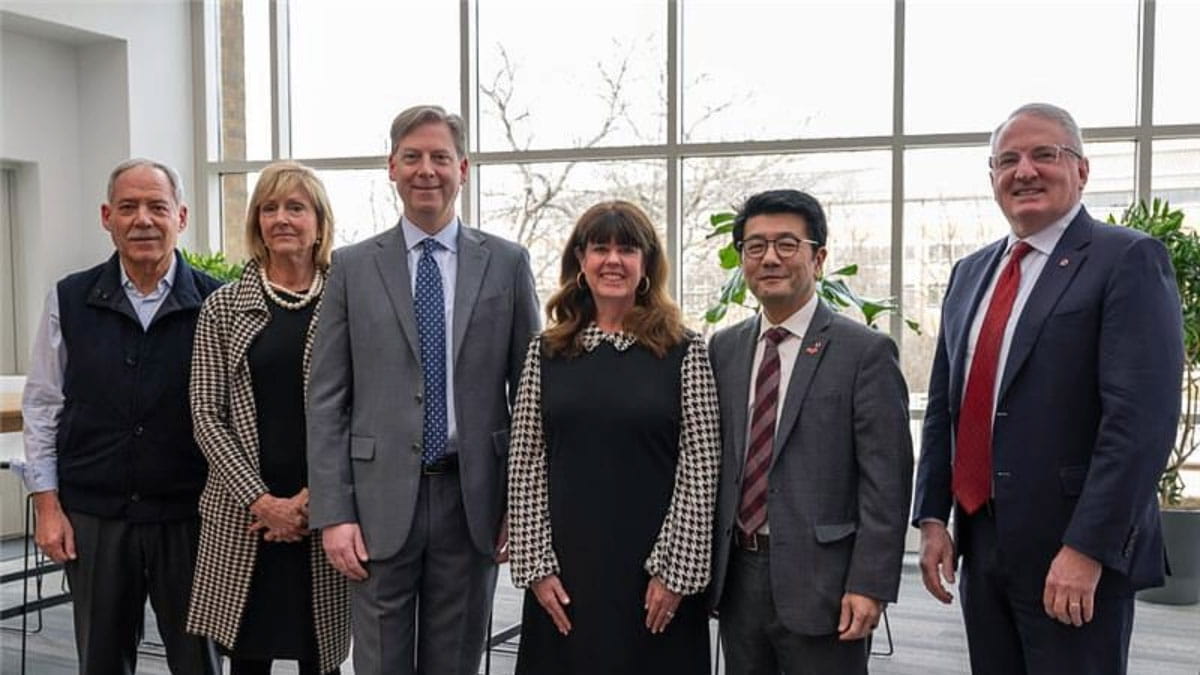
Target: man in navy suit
x,y
1053,404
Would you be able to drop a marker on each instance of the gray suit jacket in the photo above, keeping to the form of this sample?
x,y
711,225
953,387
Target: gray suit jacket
x,y
365,391
840,478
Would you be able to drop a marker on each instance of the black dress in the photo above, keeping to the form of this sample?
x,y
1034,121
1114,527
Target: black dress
x,y
278,619
611,421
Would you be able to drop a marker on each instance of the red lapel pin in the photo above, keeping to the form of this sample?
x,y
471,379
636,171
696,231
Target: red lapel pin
x,y
813,348
1064,262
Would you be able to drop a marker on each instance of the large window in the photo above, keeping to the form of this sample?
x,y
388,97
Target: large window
x,y
970,61
881,108
758,70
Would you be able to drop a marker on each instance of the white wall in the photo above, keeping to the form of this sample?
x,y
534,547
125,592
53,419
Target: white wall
x,y
84,85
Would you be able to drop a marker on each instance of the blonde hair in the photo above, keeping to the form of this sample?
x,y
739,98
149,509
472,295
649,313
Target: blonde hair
x,y
655,319
278,180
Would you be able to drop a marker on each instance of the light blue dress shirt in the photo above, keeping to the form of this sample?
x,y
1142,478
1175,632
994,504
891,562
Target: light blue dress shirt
x,y
447,262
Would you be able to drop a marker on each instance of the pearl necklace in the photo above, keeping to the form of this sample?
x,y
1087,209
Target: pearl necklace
x,y
314,291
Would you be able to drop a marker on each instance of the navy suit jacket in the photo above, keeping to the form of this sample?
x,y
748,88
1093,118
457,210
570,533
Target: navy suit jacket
x,y
1087,408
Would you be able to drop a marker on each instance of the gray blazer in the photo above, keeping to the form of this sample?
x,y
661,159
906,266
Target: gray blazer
x,y
365,390
840,478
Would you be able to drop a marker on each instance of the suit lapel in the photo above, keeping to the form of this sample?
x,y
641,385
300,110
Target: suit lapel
x,y
812,350
392,261
1065,260
739,368
961,323
472,264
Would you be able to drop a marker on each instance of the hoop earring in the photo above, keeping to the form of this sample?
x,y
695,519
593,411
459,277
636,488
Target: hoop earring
x,y
642,291
581,281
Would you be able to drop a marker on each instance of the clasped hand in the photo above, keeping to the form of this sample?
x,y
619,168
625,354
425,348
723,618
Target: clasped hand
x,y
280,518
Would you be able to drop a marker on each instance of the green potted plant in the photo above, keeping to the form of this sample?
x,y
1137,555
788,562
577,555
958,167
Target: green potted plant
x,y
833,287
214,265
1181,515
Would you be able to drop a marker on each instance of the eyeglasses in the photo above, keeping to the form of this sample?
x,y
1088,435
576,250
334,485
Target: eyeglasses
x,y
785,246
1042,155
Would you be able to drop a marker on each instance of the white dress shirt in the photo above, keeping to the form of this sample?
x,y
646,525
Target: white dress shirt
x,y
42,399
789,348
447,262
1043,244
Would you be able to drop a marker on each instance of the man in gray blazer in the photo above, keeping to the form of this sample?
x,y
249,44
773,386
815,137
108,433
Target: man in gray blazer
x,y
816,464
418,351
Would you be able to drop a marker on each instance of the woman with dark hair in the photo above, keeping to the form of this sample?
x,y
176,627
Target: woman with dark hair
x,y
613,465
263,589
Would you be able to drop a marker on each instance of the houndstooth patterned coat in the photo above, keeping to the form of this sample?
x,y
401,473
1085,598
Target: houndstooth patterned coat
x,y
223,416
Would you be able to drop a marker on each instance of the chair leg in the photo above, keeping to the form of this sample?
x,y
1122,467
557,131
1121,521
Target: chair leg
x,y
717,660
487,656
887,629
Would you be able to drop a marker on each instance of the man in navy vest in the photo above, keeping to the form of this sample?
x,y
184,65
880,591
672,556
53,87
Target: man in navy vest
x,y
110,460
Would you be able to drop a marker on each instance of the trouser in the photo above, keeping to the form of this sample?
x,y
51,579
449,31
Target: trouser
x,y
425,610
1008,630
756,642
118,565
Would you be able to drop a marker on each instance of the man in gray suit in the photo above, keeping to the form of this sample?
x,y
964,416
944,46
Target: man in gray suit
x,y
418,351
816,464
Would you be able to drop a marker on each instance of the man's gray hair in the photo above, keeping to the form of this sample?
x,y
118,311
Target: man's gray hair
x,y
1045,111
135,162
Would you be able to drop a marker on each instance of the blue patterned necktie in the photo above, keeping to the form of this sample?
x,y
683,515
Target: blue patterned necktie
x,y
431,326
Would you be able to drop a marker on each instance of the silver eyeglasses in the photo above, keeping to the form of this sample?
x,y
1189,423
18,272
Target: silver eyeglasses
x,y
1042,155
785,246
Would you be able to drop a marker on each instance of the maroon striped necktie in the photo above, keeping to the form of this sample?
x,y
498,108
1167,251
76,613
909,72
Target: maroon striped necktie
x,y
753,510
972,480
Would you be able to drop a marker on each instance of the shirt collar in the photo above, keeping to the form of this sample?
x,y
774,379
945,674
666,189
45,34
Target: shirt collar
x,y
164,284
413,235
1047,238
797,323
592,337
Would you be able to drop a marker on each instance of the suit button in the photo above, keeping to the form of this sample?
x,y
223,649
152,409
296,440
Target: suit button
x,y
416,448
135,497
138,430
419,398
130,361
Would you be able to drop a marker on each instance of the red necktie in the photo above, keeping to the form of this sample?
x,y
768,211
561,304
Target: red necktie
x,y
972,483
753,510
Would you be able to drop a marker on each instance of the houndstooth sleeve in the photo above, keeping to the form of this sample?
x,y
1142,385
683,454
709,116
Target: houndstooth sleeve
x,y
682,554
532,553
212,417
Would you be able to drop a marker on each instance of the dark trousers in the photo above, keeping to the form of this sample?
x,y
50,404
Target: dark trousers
x,y
756,642
119,565
425,610
1008,630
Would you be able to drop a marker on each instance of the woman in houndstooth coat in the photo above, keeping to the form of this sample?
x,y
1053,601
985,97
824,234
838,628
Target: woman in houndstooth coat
x,y
263,589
